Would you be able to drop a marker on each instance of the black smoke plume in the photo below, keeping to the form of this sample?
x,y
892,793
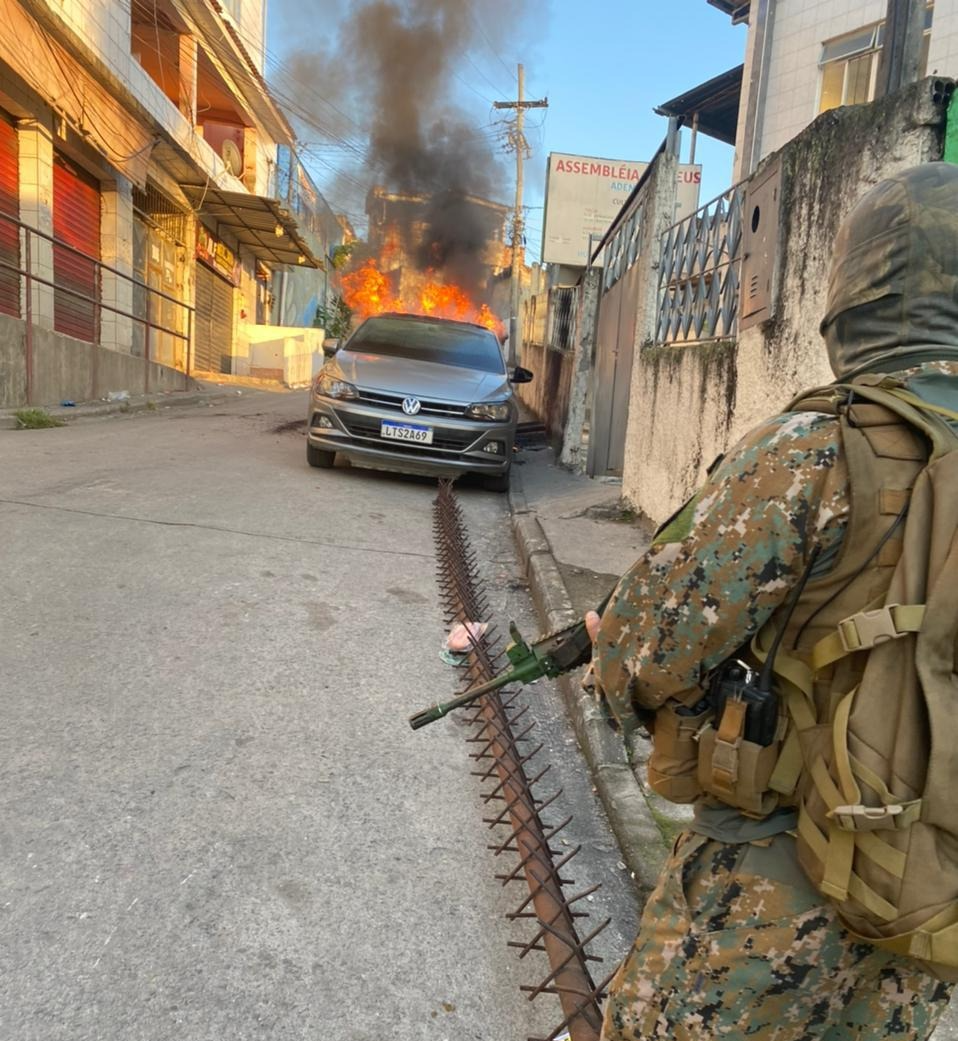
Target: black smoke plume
x,y
388,77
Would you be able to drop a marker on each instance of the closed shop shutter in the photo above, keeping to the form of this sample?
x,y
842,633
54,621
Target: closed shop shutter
x,y
76,223
213,322
10,206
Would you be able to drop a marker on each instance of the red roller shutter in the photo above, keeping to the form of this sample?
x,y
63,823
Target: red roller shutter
x,y
76,222
9,206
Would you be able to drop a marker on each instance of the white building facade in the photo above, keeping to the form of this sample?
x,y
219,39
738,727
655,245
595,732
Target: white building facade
x,y
804,57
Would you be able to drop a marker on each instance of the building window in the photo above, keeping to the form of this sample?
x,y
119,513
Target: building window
x,y
849,64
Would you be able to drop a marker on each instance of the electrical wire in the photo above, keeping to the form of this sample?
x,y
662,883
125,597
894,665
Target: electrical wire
x,y
351,146
80,121
512,73
295,106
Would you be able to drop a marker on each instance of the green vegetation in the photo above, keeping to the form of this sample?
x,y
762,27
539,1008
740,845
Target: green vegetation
x,y
336,319
668,826
36,419
340,255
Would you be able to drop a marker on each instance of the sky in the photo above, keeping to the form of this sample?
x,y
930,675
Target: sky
x,y
603,67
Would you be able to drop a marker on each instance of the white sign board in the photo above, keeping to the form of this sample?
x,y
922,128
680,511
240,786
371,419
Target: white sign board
x,y
584,195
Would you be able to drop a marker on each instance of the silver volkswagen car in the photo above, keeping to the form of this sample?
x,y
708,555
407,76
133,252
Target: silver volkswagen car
x,y
419,395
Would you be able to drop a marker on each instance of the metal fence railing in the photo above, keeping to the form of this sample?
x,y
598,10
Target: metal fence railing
x,y
700,272
86,292
562,302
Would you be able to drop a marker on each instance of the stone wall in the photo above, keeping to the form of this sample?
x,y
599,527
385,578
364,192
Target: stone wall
x,y
690,403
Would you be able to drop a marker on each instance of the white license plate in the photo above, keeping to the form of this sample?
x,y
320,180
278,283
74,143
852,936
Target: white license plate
x,y
406,432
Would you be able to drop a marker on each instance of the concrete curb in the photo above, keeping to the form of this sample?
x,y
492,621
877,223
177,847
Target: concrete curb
x,y
639,836
144,403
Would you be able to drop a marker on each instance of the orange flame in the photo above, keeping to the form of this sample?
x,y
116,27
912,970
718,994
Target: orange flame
x,y
368,291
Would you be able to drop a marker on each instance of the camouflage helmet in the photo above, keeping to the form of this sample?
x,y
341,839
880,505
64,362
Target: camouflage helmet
x,y
893,289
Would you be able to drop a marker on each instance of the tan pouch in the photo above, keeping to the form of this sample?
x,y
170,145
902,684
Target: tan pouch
x,y
737,772
673,764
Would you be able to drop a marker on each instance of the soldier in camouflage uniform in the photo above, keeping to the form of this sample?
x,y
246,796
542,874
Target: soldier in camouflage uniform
x,y
735,941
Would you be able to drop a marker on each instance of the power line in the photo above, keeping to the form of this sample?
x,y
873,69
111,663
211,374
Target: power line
x,y
482,32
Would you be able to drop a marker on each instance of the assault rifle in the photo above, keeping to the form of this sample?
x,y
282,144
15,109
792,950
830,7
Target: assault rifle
x,y
550,656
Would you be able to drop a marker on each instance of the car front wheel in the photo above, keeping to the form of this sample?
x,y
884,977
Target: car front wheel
x,y
319,457
499,483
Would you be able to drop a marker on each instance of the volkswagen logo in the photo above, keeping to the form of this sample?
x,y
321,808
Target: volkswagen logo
x,y
411,406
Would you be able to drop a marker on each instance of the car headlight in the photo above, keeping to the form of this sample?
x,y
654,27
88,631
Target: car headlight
x,y
331,387
497,411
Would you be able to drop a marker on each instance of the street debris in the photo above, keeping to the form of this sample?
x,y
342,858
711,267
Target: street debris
x,y
464,636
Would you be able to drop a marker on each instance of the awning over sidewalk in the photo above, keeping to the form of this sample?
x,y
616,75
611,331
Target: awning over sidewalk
x,y
262,225
714,102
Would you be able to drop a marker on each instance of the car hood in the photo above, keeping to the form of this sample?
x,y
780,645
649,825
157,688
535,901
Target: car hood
x,y
419,378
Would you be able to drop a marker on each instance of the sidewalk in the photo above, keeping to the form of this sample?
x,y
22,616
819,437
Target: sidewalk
x,y
212,391
575,541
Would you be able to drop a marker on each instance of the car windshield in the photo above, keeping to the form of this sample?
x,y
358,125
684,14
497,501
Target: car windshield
x,y
440,342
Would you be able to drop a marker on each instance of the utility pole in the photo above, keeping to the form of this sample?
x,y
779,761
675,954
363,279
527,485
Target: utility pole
x,y
517,141
901,51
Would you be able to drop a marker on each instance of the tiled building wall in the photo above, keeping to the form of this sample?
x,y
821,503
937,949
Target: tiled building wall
x,y
799,28
943,53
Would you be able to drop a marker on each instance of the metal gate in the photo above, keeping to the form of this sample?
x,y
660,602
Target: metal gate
x,y
76,226
612,376
9,206
214,322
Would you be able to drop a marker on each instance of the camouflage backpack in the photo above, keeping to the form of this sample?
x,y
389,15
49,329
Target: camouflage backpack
x,y
868,679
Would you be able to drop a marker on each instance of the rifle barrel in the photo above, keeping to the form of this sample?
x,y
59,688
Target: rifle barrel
x,y
524,672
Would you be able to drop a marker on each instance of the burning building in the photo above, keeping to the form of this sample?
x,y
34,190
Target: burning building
x,y
439,254
461,235
433,233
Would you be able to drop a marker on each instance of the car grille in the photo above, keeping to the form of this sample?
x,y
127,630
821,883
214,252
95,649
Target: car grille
x,y
394,401
445,439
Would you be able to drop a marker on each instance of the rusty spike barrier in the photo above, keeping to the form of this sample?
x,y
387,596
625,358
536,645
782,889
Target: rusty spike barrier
x,y
503,731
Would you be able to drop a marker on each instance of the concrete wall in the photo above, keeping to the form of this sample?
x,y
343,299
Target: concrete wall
x,y
691,403
68,369
290,354
789,95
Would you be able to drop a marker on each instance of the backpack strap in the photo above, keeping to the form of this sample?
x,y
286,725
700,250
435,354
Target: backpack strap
x,y
867,629
878,622
936,941
928,418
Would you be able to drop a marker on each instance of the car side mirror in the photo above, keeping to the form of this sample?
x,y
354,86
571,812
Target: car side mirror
x,y
521,375
330,347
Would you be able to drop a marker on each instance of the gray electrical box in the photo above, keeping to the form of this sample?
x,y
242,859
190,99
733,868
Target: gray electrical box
x,y
760,246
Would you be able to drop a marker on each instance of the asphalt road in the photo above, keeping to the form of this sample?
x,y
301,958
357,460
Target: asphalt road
x,y
215,822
